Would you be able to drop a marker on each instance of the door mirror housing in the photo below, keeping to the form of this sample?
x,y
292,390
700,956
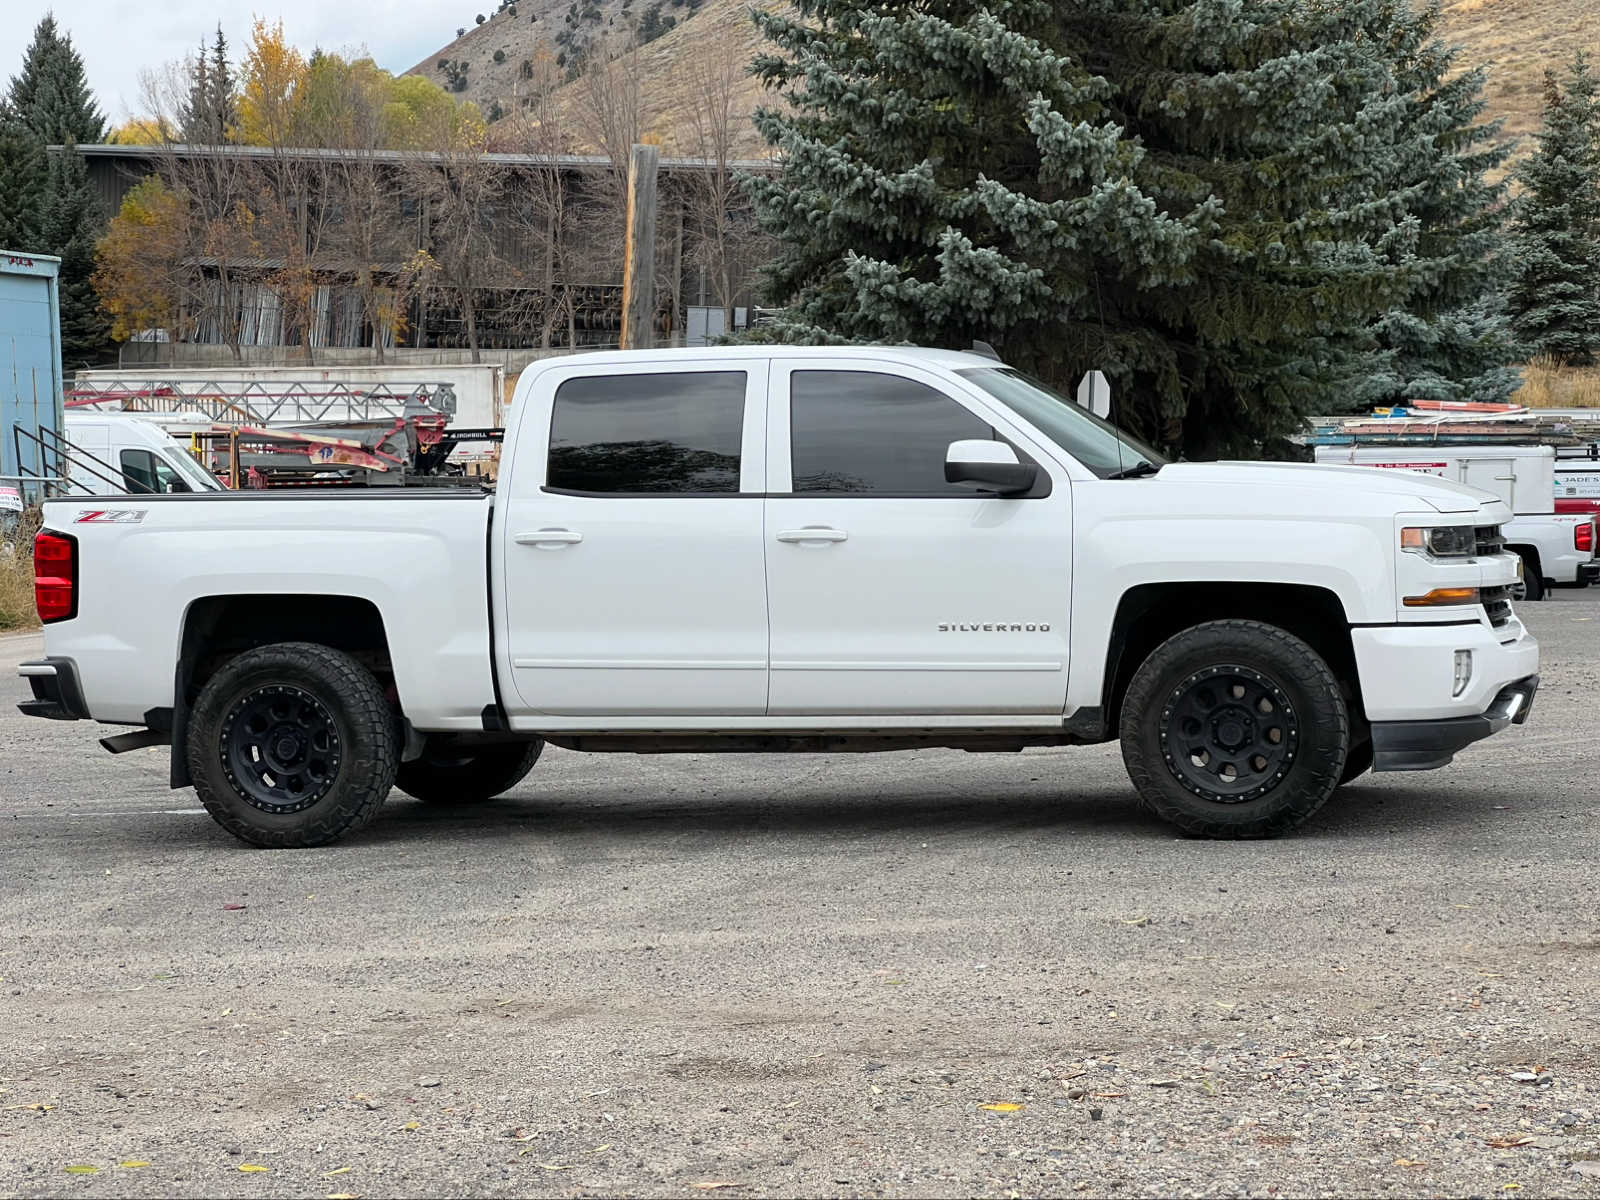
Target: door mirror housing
x,y
989,464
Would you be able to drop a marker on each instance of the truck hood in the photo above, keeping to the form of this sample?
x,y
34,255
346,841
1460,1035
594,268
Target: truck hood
x,y
1412,487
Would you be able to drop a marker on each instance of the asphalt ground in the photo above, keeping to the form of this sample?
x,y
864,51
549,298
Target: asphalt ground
x,y
792,975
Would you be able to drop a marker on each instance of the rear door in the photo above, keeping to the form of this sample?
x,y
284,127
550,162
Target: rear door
x,y
1496,475
892,591
633,581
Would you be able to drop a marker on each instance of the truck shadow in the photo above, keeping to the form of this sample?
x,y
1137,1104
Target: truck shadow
x,y
1361,811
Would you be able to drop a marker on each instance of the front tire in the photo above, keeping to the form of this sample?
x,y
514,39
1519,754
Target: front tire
x,y
447,775
1234,729
1530,586
292,745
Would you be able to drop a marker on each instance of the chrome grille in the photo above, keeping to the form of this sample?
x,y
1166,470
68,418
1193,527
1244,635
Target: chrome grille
x,y
1497,603
1489,540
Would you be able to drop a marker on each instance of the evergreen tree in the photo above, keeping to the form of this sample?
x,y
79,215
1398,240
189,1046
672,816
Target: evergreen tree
x,y
211,112
1453,339
224,89
1555,298
74,221
1211,201
51,98
950,173
24,179
52,91
194,121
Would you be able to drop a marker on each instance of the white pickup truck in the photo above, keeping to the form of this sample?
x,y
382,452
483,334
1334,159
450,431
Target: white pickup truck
x,y
790,549
1557,548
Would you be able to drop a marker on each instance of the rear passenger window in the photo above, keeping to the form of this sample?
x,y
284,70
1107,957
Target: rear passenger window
x,y
648,434
862,433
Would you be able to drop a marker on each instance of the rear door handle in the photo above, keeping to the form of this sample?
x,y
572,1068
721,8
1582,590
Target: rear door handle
x,y
549,539
812,533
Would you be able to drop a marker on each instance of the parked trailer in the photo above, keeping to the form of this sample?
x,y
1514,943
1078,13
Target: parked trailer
x,y
479,387
286,430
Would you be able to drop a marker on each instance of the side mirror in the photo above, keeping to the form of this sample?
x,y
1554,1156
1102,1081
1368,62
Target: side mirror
x,y
990,464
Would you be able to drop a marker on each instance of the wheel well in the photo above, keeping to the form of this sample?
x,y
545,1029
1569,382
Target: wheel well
x,y
219,628
1530,555
1151,613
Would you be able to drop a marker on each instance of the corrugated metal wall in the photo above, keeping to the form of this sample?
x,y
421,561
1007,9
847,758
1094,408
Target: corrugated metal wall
x,y
30,355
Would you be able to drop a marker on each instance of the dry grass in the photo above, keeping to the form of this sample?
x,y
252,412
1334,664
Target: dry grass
x,y
1546,384
16,575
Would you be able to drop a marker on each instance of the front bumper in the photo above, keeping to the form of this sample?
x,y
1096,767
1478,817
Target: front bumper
x,y
57,695
1428,745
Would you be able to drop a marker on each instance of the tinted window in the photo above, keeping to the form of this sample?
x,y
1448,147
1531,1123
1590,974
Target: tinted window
x,y
648,433
863,433
145,473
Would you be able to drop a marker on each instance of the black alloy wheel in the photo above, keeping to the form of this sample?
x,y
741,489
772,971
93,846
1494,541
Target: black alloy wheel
x,y
281,749
1229,733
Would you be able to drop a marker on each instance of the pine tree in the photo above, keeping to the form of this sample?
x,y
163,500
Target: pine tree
x,y
73,224
1555,299
1210,201
51,98
52,91
194,121
1453,339
224,89
211,112
24,180
949,174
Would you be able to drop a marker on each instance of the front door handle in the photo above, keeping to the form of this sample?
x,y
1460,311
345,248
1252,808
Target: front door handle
x,y
549,539
812,533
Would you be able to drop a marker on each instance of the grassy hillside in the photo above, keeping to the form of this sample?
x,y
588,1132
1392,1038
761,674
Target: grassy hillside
x,y
1515,39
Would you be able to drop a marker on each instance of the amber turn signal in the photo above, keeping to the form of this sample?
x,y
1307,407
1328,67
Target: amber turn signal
x,y
1444,596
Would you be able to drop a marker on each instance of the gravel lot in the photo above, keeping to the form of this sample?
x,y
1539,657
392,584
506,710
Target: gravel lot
x,y
918,974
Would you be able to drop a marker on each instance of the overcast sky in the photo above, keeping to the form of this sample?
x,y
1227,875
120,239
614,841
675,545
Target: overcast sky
x,y
120,38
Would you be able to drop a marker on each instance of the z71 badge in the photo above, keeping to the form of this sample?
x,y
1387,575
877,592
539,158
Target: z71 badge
x,y
111,516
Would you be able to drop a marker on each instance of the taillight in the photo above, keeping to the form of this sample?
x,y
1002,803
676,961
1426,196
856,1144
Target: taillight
x,y
55,577
1583,537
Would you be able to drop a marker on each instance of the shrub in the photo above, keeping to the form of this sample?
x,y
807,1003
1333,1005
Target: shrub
x,y
16,571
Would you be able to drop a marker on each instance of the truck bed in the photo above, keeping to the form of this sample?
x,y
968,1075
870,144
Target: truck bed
x,y
148,563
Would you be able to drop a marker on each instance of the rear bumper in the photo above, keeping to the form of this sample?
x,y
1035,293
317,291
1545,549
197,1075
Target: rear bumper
x,y
1588,573
57,695
1427,745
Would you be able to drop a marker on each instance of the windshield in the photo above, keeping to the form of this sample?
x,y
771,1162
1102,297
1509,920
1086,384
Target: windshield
x,y
1098,445
200,479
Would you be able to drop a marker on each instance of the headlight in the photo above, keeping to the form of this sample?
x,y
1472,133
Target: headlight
x,y
1441,541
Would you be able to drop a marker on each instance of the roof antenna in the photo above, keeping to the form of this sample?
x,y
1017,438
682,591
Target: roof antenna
x,y
985,349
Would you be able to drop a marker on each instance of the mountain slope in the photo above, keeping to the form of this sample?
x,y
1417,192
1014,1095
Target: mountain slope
x,y
1515,39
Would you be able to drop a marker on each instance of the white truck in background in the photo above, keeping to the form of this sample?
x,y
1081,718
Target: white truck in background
x,y
790,549
1558,549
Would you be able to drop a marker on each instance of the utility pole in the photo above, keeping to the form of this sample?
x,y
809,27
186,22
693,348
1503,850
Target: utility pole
x,y
639,275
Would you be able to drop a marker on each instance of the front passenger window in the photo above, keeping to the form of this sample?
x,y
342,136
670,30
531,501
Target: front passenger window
x,y
863,433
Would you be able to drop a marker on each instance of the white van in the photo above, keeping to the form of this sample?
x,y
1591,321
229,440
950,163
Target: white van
x,y
120,453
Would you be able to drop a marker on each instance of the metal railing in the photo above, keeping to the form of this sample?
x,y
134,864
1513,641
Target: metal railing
x,y
66,461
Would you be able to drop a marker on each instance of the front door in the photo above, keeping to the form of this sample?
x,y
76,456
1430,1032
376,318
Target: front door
x,y
890,590
633,573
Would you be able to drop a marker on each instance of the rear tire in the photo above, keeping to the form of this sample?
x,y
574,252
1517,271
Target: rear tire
x,y
292,745
446,775
1234,729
